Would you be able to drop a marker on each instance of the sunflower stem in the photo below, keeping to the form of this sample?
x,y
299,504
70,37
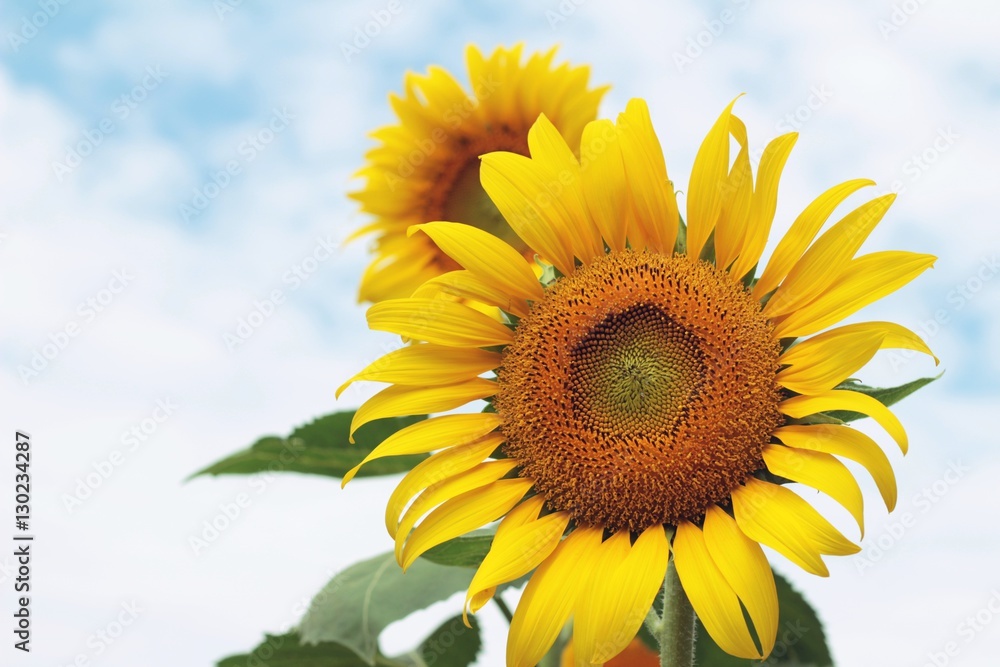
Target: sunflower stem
x,y
504,609
676,631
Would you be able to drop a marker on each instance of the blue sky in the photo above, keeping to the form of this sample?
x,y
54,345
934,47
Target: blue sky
x,y
169,95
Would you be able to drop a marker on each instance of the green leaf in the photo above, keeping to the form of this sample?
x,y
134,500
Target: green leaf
x,y
288,651
466,551
360,602
320,448
451,645
887,396
800,642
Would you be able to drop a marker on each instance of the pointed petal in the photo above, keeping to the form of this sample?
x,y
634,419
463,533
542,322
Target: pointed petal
x,y
710,594
708,179
604,185
744,565
516,550
519,187
849,443
469,511
484,255
826,260
427,365
844,399
400,400
443,491
735,217
615,604
866,280
439,467
430,434
773,515
764,204
438,321
821,363
801,234
651,191
549,598
467,285
820,471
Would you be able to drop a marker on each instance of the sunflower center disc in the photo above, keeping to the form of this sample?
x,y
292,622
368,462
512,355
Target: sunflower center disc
x,y
640,390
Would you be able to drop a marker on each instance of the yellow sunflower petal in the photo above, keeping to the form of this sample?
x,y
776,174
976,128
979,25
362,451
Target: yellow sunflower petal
x,y
826,260
467,285
400,400
802,232
775,516
764,204
732,226
714,600
438,321
427,365
708,179
550,150
844,399
519,188
895,335
615,604
486,256
550,596
466,512
821,363
440,492
820,471
744,565
849,443
439,467
430,434
604,184
514,553
866,280
655,204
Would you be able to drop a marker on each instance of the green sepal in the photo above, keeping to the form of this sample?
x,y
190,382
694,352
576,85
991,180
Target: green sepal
x,y
321,447
884,395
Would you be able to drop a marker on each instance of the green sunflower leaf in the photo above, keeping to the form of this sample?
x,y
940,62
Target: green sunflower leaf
x,y
885,395
466,551
801,641
451,645
360,602
320,448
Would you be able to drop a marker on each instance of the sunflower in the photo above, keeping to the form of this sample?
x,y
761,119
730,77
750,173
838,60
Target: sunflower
x,y
651,395
426,167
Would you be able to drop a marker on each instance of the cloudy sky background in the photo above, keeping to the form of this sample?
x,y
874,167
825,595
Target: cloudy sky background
x,y
907,94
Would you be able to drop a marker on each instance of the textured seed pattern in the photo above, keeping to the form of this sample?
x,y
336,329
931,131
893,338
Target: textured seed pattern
x,y
640,390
